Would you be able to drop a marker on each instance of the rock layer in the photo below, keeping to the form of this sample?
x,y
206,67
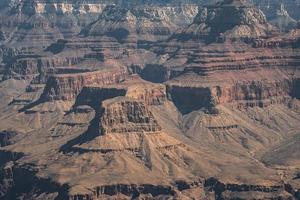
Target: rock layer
x,y
133,87
249,90
68,86
125,115
214,23
220,120
140,23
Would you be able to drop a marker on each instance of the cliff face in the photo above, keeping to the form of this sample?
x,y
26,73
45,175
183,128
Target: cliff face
x,y
68,86
47,33
64,19
133,87
33,18
214,23
140,23
208,94
132,116
238,68
218,117
274,9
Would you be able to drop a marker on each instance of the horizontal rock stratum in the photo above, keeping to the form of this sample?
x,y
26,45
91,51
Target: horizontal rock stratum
x,y
149,100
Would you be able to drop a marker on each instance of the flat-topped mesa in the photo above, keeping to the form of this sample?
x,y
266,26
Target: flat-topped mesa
x,y
133,87
126,115
68,86
190,92
231,19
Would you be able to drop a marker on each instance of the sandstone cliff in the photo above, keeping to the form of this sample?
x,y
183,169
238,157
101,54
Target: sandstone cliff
x,y
132,116
243,89
219,119
68,86
133,87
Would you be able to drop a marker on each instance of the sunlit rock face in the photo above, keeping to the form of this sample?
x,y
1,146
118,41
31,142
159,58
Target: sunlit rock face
x,y
244,21
141,23
41,19
149,99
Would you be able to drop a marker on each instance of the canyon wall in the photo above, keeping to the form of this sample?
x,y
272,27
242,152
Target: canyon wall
x,y
223,97
133,87
132,116
68,86
253,93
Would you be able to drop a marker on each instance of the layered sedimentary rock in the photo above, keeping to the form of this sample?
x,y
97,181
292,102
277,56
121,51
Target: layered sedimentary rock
x,y
133,87
281,18
36,30
273,8
32,19
214,23
288,40
220,120
68,86
91,53
41,23
128,130
140,23
231,191
40,67
239,68
131,122
132,116
259,88
29,27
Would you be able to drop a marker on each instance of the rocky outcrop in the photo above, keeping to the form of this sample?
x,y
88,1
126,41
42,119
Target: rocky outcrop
x,y
122,115
141,23
133,87
44,74
33,21
19,181
231,191
129,191
285,10
282,19
68,86
276,52
36,49
240,70
214,23
36,30
234,79
30,63
207,94
289,40
6,138
81,7
142,191
34,186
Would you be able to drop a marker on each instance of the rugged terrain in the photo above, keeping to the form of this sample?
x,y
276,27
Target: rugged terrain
x,y
116,100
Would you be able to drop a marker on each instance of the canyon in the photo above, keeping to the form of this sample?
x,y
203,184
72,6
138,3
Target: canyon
x,y
149,100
